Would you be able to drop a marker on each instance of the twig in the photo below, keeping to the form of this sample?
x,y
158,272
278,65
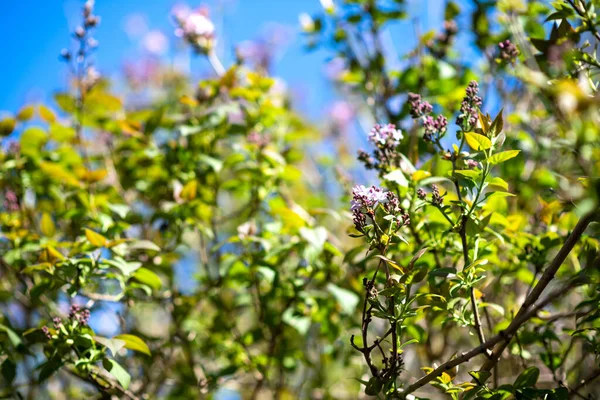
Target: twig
x,y
586,381
534,295
525,313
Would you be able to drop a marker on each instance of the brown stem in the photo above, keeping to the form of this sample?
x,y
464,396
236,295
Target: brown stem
x,y
527,311
534,295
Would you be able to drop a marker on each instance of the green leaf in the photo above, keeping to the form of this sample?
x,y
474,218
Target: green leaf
x,y
114,345
25,113
47,225
117,371
32,140
392,263
147,277
480,376
12,335
477,142
301,324
62,133
346,299
498,182
7,126
49,368
316,237
496,307
212,162
154,121
527,378
503,156
374,386
66,102
133,342
496,126
95,238
9,370
144,245
59,174
397,177
469,173
499,194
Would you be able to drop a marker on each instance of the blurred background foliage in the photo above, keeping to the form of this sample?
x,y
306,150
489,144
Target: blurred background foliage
x,y
179,228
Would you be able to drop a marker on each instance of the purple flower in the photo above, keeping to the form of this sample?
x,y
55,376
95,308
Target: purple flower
x,y
508,51
341,113
46,332
363,197
382,135
366,159
434,127
469,108
436,199
417,106
82,316
471,164
364,201
11,201
196,28
56,322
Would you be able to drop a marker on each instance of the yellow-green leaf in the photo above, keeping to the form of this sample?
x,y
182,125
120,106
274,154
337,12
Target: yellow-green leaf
x,y
503,156
419,175
59,174
470,173
477,142
133,342
25,113
189,191
7,125
46,114
392,263
147,277
95,238
47,225
499,182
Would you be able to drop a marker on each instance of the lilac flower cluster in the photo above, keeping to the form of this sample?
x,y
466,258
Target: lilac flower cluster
x,y
87,75
46,332
386,139
385,135
76,314
196,29
441,44
80,315
472,164
368,161
418,107
365,201
11,202
508,51
469,108
434,126
436,199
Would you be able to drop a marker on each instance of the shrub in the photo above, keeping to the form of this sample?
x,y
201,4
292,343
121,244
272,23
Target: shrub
x,y
211,250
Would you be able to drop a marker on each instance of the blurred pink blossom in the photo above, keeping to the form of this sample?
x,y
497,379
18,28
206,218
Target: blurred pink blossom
x,y
341,114
136,25
155,42
196,28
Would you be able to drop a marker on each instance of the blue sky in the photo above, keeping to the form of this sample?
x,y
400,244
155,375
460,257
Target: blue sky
x,y
39,29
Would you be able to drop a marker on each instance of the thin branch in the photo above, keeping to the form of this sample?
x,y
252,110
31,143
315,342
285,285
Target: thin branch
x,y
546,278
595,375
525,313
